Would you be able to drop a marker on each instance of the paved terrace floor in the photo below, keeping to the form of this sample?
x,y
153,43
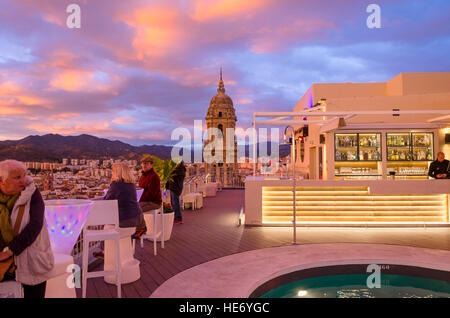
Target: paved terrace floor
x,y
213,232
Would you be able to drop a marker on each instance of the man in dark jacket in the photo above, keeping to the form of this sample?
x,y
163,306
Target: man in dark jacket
x,y
439,169
151,197
176,187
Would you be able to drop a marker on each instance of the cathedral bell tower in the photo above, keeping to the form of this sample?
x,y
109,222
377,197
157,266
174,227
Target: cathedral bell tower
x,y
221,115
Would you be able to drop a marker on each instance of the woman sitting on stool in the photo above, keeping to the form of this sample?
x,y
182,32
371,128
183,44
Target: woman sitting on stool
x,y
123,189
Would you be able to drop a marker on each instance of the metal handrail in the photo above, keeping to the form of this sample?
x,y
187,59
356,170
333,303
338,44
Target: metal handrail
x,y
294,222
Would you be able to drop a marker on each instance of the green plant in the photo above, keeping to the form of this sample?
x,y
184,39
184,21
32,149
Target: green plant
x,y
167,208
163,168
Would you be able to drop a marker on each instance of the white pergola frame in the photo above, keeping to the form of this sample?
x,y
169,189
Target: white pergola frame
x,y
288,119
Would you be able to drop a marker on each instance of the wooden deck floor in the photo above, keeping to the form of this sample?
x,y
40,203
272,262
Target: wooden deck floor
x,y
213,232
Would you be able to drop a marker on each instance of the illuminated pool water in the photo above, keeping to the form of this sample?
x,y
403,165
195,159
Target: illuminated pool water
x,y
393,284
65,220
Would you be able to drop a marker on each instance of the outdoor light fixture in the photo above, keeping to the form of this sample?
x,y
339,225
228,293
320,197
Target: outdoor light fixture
x,y
302,293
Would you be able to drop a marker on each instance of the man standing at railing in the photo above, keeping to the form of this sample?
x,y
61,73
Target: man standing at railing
x,y
176,187
151,197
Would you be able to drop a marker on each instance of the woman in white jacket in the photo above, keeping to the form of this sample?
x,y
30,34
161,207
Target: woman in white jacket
x,y
31,247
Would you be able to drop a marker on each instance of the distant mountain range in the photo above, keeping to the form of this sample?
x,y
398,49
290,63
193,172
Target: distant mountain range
x,y
53,148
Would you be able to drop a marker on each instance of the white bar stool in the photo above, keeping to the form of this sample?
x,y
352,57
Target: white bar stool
x,y
129,266
151,223
104,212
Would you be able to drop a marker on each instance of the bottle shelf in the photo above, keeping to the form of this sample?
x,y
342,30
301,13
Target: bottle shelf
x,y
360,147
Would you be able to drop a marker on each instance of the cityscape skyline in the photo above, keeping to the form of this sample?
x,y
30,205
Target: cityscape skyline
x,y
136,71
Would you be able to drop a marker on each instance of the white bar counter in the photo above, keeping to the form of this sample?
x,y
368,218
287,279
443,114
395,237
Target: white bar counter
x,y
269,201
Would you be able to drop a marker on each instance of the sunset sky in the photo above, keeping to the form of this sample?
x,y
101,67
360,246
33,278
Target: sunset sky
x,y
137,69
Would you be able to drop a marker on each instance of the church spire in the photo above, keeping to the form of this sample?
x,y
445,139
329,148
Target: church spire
x,y
221,88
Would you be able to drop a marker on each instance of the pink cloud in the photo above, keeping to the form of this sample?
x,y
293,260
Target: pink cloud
x,y
124,120
226,9
64,116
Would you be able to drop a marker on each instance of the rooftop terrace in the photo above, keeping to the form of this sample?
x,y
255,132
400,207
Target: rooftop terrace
x,y
214,232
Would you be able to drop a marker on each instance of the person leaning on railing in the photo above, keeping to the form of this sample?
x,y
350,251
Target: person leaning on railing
x,y
151,197
31,249
440,168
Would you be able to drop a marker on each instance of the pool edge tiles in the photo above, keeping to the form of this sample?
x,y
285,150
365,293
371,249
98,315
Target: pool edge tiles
x,y
238,275
270,287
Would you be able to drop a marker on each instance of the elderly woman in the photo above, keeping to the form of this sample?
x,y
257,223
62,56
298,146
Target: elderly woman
x,y
22,203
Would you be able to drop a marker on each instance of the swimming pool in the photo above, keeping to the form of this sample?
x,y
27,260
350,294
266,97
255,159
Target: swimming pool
x,y
351,281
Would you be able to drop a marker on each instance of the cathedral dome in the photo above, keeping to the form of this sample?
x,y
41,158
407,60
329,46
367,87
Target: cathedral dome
x,y
221,100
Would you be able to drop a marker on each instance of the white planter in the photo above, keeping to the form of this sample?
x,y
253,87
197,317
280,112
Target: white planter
x,y
168,224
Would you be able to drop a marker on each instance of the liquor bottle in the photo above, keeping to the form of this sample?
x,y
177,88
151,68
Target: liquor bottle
x,y
429,156
389,141
338,155
426,140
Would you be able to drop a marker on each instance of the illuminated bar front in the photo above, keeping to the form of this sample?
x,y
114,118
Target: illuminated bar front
x,y
349,201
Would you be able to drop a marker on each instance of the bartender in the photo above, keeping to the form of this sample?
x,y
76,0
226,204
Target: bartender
x,y
439,169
